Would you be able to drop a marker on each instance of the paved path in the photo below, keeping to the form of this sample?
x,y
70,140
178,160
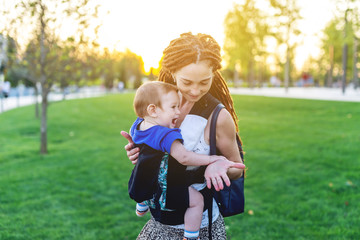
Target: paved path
x,y
14,102
332,94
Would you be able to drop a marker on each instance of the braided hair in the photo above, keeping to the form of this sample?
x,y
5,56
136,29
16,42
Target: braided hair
x,y
189,48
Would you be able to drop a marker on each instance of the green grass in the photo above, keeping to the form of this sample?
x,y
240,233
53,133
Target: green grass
x,y
303,160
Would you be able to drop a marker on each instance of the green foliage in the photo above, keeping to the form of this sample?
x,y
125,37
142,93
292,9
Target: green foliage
x,y
302,178
48,58
245,32
108,65
336,34
8,58
132,68
11,51
121,66
18,74
334,37
287,15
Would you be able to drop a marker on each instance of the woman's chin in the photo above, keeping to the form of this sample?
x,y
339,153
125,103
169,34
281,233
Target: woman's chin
x,y
193,98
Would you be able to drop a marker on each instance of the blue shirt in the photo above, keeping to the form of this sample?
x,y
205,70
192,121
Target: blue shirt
x,y
157,137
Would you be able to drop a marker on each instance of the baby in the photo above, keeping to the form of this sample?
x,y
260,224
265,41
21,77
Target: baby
x,y
157,106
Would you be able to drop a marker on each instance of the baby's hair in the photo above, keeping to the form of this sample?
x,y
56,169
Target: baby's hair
x,y
189,48
150,93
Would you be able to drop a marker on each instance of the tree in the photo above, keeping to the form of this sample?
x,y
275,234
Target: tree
x,y
108,65
70,65
9,56
356,20
287,16
340,37
348,9
332,44
46,46
131,67
245,31
151,75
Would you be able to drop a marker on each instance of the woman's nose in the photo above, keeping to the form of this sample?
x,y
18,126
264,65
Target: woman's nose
x,y
195,91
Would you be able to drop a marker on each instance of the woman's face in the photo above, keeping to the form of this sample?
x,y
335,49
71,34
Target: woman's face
x,y
194,80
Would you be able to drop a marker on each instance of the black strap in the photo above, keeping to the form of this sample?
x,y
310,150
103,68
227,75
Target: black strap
x,y
213,152
213,128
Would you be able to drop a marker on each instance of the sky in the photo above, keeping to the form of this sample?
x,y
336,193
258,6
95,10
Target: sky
x,y
147,27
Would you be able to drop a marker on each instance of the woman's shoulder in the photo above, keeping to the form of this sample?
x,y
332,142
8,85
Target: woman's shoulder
x,y
225,118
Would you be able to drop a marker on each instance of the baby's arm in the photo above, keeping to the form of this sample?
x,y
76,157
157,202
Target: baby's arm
x,y
189,158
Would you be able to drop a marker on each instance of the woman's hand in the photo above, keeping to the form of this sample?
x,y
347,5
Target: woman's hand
x,y
214,158
216,173
132,153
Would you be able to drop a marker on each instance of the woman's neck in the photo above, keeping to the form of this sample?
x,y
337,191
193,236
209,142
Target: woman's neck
x,y
185,108
184,101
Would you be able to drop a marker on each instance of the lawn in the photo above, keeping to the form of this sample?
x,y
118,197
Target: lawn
x,y
303,160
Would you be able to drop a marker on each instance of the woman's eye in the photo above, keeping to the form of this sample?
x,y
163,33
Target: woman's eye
x,y
204,83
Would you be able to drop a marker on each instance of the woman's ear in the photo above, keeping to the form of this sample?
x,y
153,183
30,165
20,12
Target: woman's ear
x,y
151,110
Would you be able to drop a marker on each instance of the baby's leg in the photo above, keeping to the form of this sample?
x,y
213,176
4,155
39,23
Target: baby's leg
x,y
193,214
141,209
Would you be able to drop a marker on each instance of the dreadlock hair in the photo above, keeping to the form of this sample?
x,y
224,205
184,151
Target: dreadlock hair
x,y
189,48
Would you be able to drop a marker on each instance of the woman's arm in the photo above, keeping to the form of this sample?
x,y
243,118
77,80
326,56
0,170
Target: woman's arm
x,y
188,158
226,142
219,172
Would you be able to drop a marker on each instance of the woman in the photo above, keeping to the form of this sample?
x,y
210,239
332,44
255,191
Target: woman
x,y
192,63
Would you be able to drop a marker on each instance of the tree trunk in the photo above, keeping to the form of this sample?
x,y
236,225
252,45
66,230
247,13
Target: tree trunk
x,y
63,90
1,92
287,70
344,63
43,80
43,127
344,55
251,74
1,103
331,70
236,77
36,102
260,75
355,72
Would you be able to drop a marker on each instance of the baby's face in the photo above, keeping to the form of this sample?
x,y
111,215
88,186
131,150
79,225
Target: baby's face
x,y
169,111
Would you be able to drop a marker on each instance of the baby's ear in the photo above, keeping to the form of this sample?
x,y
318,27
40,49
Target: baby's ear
x,y
151,110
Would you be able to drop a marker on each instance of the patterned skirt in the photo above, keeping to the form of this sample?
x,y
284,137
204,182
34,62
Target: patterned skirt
x,y
154,230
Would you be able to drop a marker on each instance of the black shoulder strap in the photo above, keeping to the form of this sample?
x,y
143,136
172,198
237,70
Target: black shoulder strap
x,y
213,152
213,128
205,106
